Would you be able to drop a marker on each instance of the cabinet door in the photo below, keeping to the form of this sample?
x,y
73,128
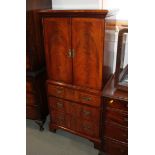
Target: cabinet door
x,y
87,44
57,40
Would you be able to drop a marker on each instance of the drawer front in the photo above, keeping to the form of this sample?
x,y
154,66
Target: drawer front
x,y
74,109
89,113
64,106
116,117
31,100
89,128
56,104
73,95
59,119
116,132
29,87
89,99
56,91
32,112
115,148
117,104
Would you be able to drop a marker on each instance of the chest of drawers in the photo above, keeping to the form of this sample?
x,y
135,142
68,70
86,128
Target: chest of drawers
x,y
115,120
78,66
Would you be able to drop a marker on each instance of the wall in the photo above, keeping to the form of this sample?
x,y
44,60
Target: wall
x,y
77,4
94,4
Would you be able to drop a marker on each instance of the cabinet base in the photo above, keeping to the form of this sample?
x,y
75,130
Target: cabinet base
x,y
97,142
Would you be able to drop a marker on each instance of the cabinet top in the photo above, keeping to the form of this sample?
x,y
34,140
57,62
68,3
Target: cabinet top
x,y
111,91
102,13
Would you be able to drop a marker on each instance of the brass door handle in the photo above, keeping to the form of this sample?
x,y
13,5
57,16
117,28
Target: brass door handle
x,y
69,53
73,53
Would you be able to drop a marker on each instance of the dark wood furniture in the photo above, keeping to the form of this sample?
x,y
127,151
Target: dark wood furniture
x,y
115,108
115,120
36,104
78,66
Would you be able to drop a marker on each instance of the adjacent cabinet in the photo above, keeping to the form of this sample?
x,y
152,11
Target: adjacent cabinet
x,y
78,66
36,101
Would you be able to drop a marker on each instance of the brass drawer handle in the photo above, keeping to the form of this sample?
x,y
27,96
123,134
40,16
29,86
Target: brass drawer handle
x,y
86,127
87,98
59,104
86,112
60,90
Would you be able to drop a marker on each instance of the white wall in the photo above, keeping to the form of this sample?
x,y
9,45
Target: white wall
x,y
122,5
77,4
94,4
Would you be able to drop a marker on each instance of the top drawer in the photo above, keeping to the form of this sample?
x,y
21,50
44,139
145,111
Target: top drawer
x,y
73,95
116,104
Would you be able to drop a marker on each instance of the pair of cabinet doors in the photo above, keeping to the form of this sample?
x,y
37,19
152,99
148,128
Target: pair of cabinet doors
x,y
74,50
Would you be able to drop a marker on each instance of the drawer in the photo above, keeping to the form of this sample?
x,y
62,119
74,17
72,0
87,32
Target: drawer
x,y
90,113
117,104
116,132
114,148
56,104
60,119
64,106
32,112
89,99
56,90
74,109
116,117
73,95
31,99
89,128
29,87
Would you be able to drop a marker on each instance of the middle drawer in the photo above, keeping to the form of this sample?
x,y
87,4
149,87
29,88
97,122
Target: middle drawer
x,y
77,110
73,95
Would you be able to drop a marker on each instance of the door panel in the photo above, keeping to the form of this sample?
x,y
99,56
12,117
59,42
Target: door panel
x,y
87,42
57,40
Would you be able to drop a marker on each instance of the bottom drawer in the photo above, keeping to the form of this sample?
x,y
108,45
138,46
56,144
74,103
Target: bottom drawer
x,y
89,128
114,148
116,132
32,112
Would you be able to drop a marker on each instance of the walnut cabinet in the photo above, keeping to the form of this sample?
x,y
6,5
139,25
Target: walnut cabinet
x,y
78,66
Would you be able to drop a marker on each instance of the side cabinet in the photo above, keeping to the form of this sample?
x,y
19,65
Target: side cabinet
x,y
36,104
36,98
114,121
